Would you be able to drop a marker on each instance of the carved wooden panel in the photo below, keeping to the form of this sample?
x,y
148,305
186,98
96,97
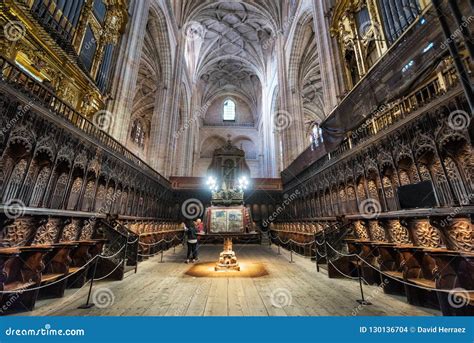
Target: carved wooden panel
x,y
71,231
398,232
377,232
87,230
427,235
17,233
47,233
361,230
461,235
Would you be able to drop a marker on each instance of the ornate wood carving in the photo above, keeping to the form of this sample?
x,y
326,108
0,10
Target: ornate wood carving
x,y
427,235
398,232
461,235
47,232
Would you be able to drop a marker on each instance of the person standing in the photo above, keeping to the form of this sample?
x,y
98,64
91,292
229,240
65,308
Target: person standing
x,y
199,226
191,238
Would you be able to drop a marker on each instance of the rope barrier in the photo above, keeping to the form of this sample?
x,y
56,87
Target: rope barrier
x,y
67,276
347,276
340,253
112,256
50,283
138,238
116,267
293,241
151,255
161,241
363,260
398,279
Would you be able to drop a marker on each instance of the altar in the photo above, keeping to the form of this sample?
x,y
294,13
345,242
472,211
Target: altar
x,y
227,216
229,222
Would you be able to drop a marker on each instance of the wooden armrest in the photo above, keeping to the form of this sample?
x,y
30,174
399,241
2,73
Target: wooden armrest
x,y
65,245
18,285
74,269
394,273
100,240
85,242
423,282
45,278
36,248
7,252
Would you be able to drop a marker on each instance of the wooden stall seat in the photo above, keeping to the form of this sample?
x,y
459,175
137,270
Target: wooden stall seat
x,y
21,269
418,270
56,263
455,271
80,255
390,263
367,251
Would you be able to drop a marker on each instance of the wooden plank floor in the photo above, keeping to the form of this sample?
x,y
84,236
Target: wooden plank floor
x,y
162,289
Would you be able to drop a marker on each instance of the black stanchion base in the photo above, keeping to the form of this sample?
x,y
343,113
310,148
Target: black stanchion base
x,y
86,306
364,302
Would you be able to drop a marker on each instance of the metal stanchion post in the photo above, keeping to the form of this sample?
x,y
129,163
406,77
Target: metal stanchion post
x,y
291,252
125,253
361,301
316,245
279,249
161,258
136,256
87,304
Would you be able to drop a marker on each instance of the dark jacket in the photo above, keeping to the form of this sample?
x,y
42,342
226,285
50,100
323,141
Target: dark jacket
x,y
191,233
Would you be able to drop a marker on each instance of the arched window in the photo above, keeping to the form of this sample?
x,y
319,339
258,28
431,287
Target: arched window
x,y
138,133
229,110
316,136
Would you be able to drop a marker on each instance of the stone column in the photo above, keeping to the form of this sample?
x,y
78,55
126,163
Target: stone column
x,y
126,72
331,68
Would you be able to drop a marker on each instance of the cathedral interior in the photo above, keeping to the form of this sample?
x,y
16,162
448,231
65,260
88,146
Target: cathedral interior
x,y
321,151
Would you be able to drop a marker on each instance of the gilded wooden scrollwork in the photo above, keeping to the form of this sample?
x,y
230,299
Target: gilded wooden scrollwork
x,y
461,235
427,235
361,230
377,232
17,233
398,232
47,233
70,231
